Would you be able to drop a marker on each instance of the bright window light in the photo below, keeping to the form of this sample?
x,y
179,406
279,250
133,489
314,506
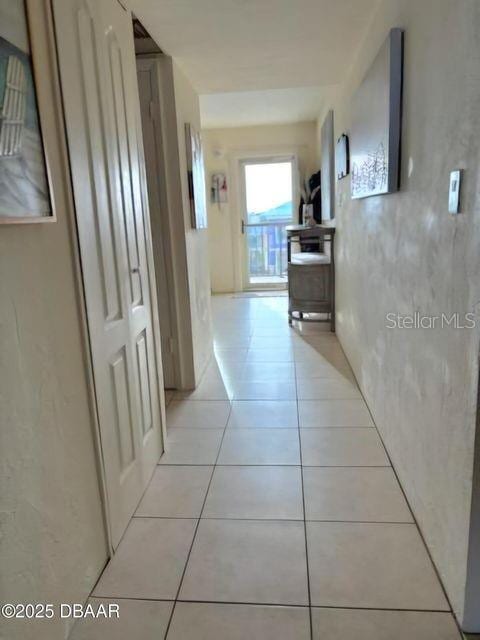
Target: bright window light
x,y
269,191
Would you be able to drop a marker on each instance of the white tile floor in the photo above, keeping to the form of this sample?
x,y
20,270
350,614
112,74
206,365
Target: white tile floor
x,y
274,513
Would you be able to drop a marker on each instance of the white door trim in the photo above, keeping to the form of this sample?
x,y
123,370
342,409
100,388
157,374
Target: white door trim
x,y
175,205
163,226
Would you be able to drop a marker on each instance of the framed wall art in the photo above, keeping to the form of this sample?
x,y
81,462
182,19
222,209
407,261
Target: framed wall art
x,y
196,178
327,175
24,180
376,123
342,161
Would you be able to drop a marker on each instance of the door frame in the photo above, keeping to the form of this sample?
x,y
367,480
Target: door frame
x,y
163,227
262,158
171,151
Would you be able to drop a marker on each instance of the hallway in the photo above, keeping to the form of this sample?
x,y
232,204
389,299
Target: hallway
x,y
158,158
275,512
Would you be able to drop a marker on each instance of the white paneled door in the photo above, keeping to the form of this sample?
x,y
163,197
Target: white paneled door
x,y
98,77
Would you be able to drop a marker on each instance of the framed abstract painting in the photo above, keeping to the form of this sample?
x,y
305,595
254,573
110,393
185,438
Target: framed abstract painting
x,y
376,123
24,181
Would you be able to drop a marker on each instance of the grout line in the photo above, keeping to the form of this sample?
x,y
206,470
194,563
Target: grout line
x,y
197,525
268,428
272,604
305,466
352,608
304,514
420,533
222,518
279,520
110,558
304,606
299,427
132,598
301,466
246,603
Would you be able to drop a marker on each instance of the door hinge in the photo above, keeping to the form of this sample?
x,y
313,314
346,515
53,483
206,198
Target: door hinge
x,y
171,345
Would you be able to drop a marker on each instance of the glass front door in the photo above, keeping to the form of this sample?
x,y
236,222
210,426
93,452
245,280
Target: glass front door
x,y
269,207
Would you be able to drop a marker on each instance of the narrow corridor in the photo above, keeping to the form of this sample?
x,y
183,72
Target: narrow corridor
x,y
275,513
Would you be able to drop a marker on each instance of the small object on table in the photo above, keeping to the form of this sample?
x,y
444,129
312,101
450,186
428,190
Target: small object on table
x,y
308,219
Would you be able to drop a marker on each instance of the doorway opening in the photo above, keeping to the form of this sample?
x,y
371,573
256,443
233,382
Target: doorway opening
x,y
146,51
268,207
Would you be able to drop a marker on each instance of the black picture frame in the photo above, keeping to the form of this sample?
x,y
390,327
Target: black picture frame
x,y
342,159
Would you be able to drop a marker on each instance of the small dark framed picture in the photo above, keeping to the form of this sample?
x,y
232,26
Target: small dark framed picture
x,y
342,161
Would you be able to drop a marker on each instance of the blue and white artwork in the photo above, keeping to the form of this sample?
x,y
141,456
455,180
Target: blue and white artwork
x,y
24,189
376,122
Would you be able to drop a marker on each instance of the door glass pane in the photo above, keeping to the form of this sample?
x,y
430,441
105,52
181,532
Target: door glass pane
x,y
269,204
269,192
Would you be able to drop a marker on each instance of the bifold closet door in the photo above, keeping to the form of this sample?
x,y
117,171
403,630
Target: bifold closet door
x,y
100,93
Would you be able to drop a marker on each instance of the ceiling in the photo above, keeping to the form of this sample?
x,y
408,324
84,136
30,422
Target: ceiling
x,y
257,45
276,106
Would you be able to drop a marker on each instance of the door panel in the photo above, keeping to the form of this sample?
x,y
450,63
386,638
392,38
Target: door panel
x,y
124,426
99,197
97,68
127,110
123,168
142,363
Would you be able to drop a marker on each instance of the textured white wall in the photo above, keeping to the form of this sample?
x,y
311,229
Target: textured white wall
x,y
52,537
404,253
222,148
188,110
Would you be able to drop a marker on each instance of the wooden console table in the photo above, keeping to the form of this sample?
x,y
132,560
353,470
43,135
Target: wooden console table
x,y
311,286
